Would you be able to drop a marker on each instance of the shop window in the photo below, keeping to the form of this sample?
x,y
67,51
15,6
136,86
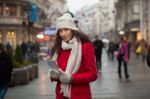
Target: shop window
x,y
23,13
138,36
11,38
1,9
11,10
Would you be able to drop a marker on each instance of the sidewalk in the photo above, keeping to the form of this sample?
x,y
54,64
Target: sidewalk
x,y
107,86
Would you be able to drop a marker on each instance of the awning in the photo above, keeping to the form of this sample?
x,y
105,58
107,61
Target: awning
x,y
51,31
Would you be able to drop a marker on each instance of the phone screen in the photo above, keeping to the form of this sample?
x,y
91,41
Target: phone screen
x,y
52,64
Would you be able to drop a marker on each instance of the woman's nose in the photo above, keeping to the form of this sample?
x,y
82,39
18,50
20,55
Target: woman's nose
x,y
62,32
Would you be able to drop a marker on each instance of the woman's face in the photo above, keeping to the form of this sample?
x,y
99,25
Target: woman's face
x,y
65,34
125,38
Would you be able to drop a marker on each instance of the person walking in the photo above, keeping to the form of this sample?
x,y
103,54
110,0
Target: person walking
x,y
6,67
24,49
148,56
144,47
111,49
98,45
74,55
9,49
123,57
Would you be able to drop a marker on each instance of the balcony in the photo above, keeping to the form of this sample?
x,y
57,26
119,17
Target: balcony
x,y
11,20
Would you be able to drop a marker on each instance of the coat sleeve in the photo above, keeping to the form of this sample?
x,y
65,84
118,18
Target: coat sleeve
x,y
88,65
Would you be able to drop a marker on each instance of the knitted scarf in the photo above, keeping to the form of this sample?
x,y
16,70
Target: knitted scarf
x,y
73,62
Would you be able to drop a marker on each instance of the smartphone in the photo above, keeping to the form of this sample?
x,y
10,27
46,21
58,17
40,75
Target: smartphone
x,y
52,64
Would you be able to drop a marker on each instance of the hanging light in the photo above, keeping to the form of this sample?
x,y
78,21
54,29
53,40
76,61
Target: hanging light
x,y
40,36
121,32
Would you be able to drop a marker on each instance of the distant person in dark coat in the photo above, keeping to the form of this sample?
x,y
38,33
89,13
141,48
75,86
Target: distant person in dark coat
x,y
9,48
6,67
148,56
111,49
24,48
98,45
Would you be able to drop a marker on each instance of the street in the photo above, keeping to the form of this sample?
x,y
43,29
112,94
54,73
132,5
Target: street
x,y
107,86
34,29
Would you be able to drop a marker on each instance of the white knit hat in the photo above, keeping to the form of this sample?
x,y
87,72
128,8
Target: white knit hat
x,y
66,21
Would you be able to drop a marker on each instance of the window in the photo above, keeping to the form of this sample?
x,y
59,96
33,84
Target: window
x,y
23,13
136,7
11,10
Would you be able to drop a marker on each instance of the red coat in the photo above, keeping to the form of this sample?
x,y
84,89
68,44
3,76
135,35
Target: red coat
x,y
87,73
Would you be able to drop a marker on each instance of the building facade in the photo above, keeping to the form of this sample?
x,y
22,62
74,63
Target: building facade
x,y
97,19
133,18
56,9
145,20
14,21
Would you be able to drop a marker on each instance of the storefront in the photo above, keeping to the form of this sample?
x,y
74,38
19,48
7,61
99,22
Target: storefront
x,y
14,25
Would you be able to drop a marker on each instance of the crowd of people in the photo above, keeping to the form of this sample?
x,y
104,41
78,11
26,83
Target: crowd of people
x,y
118,50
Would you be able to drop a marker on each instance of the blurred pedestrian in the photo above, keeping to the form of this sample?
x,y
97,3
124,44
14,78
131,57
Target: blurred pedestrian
x,y
143,45
74,54
123,57
24,49
9,49
111,49
148,56
129,48
98,45
137,49
8,46
6,67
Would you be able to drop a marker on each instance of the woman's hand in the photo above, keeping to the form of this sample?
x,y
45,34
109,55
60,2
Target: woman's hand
x,y
64,77
55,74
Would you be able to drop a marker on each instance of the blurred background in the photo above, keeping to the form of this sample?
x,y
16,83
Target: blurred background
x,y
28,29
34,20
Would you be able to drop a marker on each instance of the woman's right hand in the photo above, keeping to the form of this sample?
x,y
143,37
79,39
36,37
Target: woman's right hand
x,y
55,74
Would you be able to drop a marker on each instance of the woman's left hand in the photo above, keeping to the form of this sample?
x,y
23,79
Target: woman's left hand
x,y
64,77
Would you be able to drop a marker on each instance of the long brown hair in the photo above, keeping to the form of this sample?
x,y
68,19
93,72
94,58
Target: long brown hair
x,y
81,37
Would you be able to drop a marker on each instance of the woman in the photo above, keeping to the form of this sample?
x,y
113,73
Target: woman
x,y
74,54
6,67
123,56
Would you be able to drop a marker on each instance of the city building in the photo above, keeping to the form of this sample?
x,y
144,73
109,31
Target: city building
x,y
56,9
21,20
97,19
133,19
15,23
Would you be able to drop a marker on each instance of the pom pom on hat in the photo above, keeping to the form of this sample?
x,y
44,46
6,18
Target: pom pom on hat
x,y
66,21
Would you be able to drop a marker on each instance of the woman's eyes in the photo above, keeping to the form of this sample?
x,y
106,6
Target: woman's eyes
x,y
63,30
